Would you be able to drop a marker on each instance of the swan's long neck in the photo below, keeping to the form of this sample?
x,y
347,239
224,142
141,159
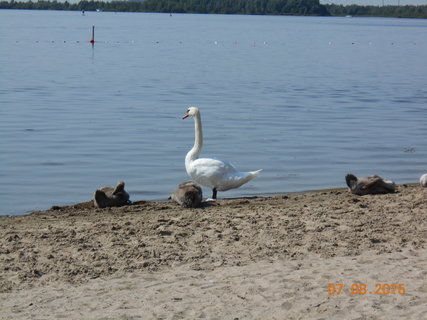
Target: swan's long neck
x,y
193,154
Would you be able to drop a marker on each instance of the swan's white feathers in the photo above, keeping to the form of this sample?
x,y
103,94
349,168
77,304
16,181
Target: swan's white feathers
x,y
213,173
211,166
219,174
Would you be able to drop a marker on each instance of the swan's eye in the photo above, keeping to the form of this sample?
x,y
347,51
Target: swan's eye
x,y
188,110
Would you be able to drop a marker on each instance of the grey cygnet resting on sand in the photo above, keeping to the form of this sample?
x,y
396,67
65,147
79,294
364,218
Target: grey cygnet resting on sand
x,y
111,197
188,195
369,185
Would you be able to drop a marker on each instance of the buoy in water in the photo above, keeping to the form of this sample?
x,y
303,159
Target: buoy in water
x,y
93,35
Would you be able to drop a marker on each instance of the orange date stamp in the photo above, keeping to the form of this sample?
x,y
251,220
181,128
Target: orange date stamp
x,y
362,289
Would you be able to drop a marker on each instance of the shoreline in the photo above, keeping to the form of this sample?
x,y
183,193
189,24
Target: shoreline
x,y
289,245
89,203
248,196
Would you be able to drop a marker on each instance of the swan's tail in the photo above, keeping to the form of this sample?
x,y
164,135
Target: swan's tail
x,y
249,176
236,179
255,173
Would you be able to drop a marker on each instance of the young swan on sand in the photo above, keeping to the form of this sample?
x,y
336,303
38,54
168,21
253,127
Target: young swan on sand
x,y
188,195
111,197
369,185
423,180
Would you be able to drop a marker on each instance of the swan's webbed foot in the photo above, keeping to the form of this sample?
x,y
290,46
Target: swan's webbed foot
x,y
214,191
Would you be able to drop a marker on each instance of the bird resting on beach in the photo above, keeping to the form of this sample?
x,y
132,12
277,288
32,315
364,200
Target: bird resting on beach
x,y
369,185
188,195
111,197
219,175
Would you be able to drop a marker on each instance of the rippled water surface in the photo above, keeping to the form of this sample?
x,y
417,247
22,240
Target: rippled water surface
x,y
307,99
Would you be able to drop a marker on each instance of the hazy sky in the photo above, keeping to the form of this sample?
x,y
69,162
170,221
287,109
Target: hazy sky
x,y
377,2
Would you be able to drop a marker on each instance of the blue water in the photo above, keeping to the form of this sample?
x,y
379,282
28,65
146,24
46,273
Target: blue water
x,y
307,99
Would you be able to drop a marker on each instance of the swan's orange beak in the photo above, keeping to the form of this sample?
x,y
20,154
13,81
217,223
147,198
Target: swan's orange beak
x,y
186,116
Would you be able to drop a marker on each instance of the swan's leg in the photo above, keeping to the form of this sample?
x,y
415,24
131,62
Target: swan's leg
x,y
214,193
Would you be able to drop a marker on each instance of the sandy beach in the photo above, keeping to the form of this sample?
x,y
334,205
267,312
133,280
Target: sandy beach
x,y
259,258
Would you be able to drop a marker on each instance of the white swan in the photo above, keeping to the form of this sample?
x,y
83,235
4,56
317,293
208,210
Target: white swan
x,y
216,174
423,180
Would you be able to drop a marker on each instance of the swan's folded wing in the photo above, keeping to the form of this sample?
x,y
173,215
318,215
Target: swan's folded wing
x,y
210,172
213,166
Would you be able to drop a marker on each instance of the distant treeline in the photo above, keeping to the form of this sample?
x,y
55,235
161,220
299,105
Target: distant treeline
x,y
261,7
257,7
375,11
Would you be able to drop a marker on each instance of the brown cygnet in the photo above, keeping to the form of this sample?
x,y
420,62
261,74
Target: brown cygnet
x,y
111,197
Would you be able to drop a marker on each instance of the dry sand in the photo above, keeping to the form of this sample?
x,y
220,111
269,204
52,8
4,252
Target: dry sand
x,y
261,258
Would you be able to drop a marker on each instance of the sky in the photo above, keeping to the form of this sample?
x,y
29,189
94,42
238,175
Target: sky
x,y
376,2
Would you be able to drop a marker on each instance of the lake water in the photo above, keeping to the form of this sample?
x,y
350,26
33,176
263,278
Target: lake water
x,y
307,99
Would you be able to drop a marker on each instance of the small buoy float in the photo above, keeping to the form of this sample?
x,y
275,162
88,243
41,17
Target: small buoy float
x,y
92,41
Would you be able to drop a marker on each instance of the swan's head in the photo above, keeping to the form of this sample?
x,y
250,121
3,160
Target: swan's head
x,y
192,111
